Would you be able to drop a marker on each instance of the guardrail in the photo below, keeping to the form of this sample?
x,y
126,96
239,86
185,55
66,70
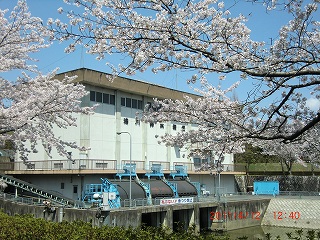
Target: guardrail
x,y
156,201
20,199
76,164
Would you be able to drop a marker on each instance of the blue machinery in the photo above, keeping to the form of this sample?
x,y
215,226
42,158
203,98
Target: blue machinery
x,y
105,194
180,171
108,195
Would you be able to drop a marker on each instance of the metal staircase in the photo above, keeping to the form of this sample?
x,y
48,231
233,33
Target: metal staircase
x,y
47,194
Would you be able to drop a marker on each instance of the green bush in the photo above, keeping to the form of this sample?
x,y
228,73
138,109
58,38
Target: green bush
x,y
25,227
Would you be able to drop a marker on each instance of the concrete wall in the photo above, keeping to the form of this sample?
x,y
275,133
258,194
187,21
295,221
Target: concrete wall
x,y
232,215
211,182
172,216
187,215
239,214
57,215
281,212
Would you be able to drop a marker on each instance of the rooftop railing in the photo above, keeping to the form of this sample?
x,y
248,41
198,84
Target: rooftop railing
x,y
110,165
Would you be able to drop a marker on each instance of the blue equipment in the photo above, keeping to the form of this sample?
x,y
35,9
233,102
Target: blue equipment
x,y
180,171
266,187
105,195
156,171
128,170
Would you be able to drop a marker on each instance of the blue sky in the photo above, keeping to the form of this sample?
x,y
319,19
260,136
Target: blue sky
x,y
264,26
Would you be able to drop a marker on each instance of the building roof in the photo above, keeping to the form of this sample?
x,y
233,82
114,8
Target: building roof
x,y
97,78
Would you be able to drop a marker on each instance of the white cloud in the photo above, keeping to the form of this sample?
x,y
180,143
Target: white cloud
x,y
313,104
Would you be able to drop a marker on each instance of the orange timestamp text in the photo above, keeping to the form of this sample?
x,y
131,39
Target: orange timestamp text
x,y
235,215
277,215
281,215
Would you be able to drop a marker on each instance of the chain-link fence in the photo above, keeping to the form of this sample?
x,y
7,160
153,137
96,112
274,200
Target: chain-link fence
x,y
287,183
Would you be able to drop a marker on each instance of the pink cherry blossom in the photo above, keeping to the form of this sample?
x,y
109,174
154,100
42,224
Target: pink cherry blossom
x,y
30,107
204,37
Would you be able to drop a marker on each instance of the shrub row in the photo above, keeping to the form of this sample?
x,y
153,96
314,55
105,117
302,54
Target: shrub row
x,y
27,227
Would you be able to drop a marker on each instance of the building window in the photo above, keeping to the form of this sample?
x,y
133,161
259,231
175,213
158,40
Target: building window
x,y
174,127
161,125
31,166
62,185
75,188
198,163
101,165
131,103
102,97
112,99
106,98
183,128
92,96
151,125
134,103
128,102
99,97
123,101
154,107
58,165
126,121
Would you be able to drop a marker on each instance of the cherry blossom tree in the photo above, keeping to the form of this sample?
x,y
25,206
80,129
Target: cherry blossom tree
x,y
303,151
204,37
31,106
218,121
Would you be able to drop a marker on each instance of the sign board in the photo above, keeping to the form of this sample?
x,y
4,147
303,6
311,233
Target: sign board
x,y
170,201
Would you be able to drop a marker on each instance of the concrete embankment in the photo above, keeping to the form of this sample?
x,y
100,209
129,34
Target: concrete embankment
x,y
298,213
202,215
55,214
228,214
280,211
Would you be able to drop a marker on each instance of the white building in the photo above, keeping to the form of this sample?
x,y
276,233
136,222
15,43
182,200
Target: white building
x,y
119,101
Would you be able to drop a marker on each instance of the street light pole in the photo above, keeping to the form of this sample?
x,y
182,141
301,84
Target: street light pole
x,y
219,170
130,153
